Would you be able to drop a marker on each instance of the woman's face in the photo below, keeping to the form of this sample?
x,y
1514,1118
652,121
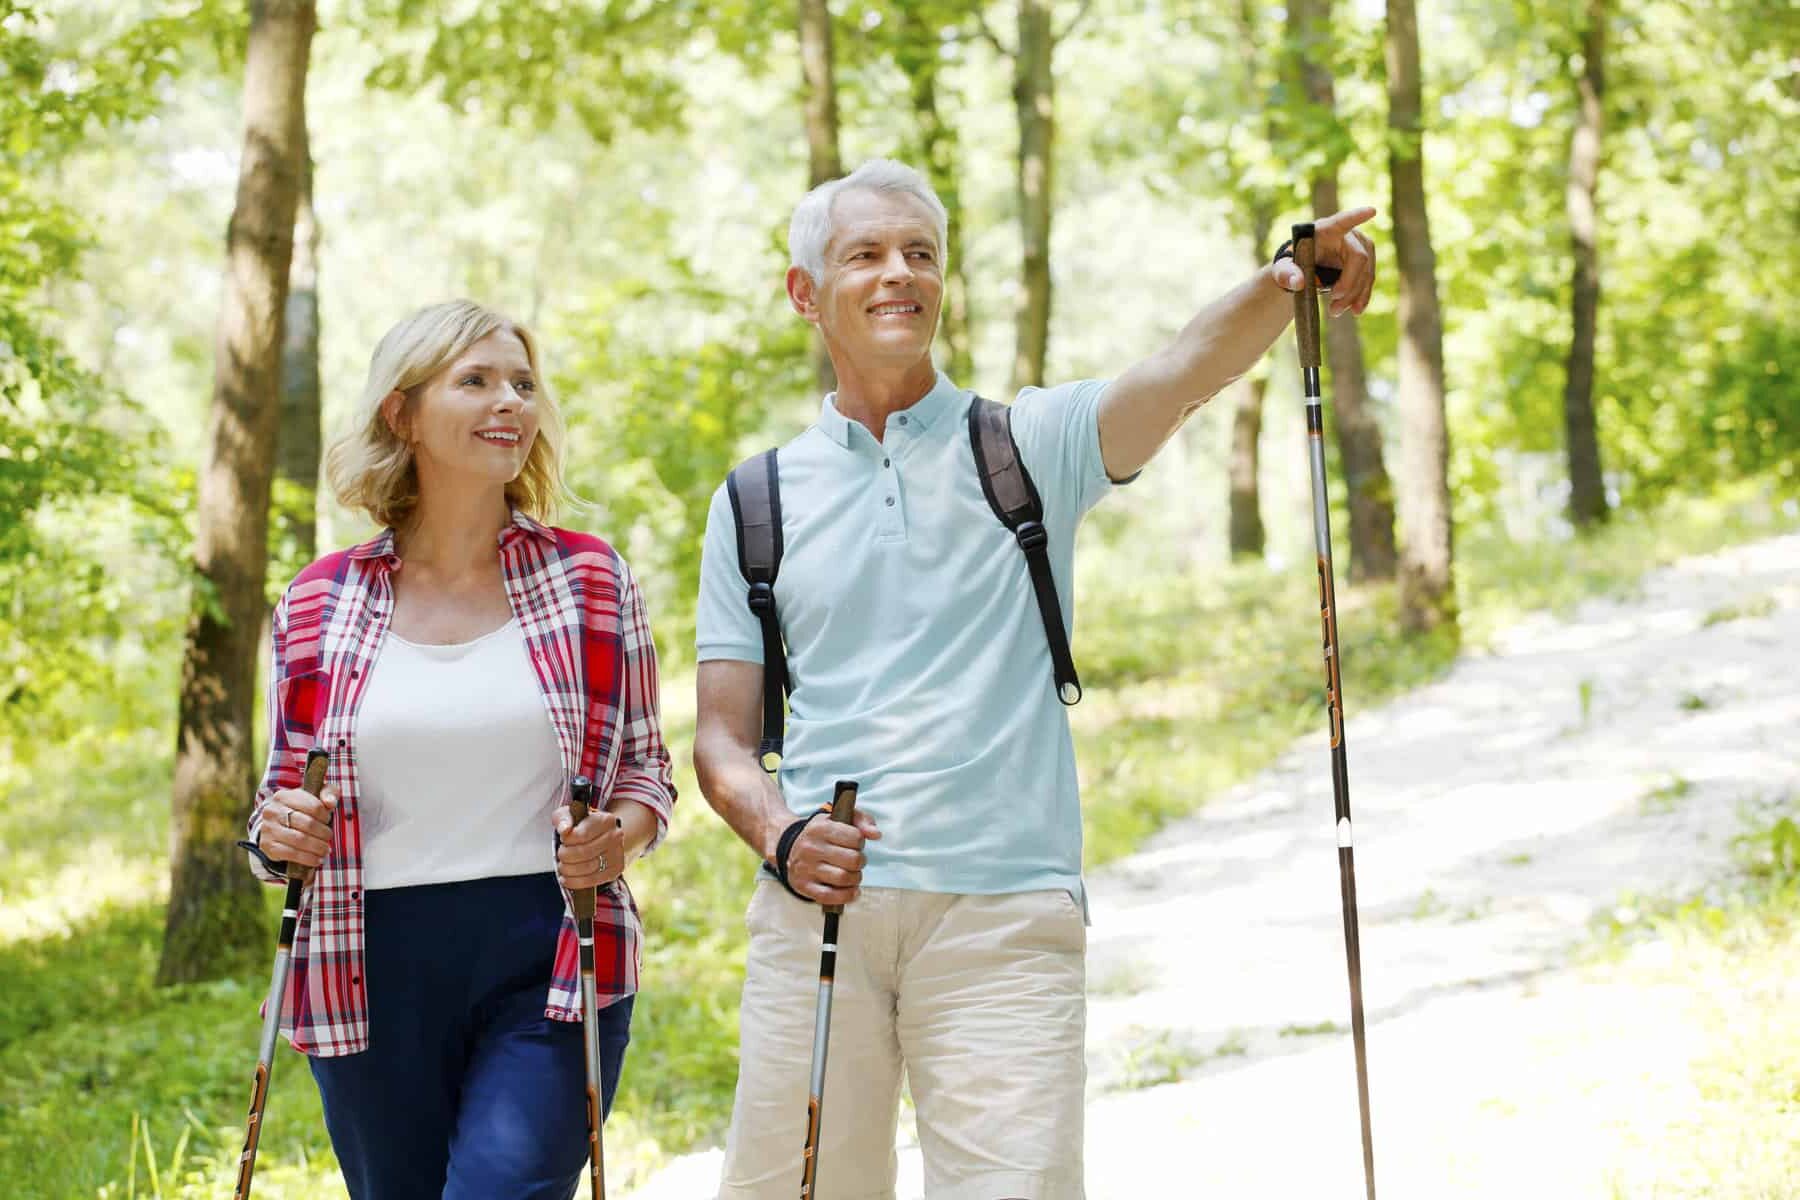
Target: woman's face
x,y
475,422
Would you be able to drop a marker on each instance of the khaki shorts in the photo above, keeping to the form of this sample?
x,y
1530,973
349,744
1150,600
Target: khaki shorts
x,y
980,1000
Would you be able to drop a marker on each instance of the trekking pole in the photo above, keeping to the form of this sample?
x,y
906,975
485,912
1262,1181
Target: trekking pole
x,y
581,795
1306,326
298,878
843,809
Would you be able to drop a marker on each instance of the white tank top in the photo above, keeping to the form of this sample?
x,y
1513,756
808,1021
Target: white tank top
x,y
457,765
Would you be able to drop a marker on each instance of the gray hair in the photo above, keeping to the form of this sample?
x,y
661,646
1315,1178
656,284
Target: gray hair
x,y
810,229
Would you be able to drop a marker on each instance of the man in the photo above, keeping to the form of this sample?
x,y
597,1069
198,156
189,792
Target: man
x,y
920,667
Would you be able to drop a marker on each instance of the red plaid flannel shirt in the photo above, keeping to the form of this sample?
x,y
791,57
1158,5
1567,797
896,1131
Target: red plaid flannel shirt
x,y
590,646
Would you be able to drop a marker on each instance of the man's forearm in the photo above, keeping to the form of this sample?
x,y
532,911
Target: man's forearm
x,y
1146,405
745,795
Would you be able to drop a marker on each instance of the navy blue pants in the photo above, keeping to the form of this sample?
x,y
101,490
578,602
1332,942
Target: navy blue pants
x,y
467,1090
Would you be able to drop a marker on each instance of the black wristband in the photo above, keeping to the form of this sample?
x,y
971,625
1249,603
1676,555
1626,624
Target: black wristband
x,y
785,847
277,869
1326,275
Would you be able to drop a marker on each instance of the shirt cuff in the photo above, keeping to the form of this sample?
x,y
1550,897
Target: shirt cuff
x,y
714,650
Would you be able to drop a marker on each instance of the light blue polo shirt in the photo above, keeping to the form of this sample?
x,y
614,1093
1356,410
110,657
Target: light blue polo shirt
x,y
917,655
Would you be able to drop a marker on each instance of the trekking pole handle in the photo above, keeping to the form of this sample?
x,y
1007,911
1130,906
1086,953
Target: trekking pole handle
x,y
581,799
312,782
1306,300
843,810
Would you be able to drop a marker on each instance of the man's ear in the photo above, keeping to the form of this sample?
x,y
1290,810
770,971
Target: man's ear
x,y
393,411
803,294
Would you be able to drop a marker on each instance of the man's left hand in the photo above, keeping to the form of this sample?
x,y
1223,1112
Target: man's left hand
x,y
1338,243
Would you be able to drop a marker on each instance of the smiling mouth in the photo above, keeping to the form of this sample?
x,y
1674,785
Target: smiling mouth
x,y
898,309
499,438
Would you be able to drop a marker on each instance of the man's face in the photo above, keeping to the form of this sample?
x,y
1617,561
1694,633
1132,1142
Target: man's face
x,y
877,304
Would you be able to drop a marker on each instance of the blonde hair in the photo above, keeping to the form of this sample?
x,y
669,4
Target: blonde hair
x,y
371,468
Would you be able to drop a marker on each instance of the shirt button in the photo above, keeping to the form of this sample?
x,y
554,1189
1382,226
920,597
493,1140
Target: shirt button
x,y
903,418
890,502
884,462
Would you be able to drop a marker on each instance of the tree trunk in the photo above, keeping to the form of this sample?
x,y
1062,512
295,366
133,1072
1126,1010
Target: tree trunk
x,y
1587,486
1246,431
1034,95
819,82
1369,492
917,55
1245,529
215,908
298,444
1427,595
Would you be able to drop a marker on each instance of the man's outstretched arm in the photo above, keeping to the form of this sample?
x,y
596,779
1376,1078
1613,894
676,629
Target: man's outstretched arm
x,y
1144,406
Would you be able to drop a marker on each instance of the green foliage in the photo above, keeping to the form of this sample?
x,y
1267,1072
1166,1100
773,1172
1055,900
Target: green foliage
x,y
1770,855
516,59
1696,178
671,422
84,475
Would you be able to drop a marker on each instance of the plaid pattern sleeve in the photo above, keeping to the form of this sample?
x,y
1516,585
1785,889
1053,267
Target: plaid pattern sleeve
x,y
646,773
598,663
324,636
279,773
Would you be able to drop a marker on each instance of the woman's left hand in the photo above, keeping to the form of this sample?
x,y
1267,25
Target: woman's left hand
x,y
592,853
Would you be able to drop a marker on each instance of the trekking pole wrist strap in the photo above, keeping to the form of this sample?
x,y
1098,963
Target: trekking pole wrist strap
x,y
785,847
1326,275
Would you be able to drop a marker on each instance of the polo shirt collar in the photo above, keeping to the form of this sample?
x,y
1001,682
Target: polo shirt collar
x,y
923,413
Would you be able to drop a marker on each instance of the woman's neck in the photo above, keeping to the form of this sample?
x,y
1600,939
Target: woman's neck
x,y
453,531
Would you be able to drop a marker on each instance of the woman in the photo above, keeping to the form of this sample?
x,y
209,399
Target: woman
x,y
461,669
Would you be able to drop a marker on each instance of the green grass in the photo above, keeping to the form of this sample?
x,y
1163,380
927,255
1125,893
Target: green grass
x,y
1735,948
1315,1030
1665,797
1753,609
1152,1058
1196,679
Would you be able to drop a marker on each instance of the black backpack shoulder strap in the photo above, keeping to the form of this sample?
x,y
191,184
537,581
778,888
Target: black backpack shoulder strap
x,y
754,487
1015,501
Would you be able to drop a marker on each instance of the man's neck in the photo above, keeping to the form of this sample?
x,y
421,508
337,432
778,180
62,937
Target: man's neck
x,y
870,397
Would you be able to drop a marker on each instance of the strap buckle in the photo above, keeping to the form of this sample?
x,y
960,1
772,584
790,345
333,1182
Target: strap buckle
x,y
1031,535
761,598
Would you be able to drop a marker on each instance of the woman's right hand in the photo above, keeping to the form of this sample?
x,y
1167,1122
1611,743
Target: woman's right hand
x,y
296,826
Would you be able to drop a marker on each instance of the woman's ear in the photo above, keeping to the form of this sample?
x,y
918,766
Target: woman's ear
x,y
393,411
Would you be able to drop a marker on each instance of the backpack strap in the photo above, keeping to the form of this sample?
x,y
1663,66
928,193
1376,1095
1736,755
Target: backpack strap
x,y
754,487
1015,501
